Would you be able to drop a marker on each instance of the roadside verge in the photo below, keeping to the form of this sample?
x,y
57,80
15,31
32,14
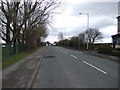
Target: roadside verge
x,y
22,72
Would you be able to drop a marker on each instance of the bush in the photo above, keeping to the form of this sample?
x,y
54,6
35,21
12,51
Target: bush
x,y
91,46
105,49
116,53
108,50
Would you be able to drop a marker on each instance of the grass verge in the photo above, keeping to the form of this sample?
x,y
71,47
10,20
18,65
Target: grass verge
x,y
13,59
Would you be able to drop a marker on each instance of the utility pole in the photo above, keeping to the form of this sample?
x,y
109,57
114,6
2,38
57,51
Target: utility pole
x,y
78,41
68,41
87,27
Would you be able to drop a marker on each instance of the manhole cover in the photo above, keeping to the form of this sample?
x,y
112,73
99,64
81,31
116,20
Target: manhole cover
x,y
49,56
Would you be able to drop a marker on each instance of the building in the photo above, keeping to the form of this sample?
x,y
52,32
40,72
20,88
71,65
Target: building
x,y
48,43
55,43
116,37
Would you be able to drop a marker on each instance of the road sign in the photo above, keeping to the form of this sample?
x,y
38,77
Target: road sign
x,y
81,36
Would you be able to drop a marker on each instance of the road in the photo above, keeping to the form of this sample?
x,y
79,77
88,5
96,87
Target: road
x,y
65,68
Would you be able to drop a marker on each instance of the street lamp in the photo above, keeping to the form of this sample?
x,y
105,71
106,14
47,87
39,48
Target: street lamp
x,y
68,41
87,25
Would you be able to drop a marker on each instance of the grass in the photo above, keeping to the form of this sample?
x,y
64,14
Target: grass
x,y
13,59
0,65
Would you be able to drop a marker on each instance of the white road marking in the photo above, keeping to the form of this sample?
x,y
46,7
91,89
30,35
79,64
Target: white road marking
x,y
65,52
61,50
42,62
73,56
95,67
78,52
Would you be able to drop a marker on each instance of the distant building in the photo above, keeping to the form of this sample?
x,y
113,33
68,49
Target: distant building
x,y
116,37
55,43
48,43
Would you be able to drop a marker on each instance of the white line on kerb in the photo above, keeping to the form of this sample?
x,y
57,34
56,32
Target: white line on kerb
x,y
61,50
73,56
42,62
95,67
78,52
65,52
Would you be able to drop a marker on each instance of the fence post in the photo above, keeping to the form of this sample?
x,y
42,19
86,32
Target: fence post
x,y
8,46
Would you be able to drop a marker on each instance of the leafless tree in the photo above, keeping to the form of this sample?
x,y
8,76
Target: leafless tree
x,y
93,35
21,21
60,36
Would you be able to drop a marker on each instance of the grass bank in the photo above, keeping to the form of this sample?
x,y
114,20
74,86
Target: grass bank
x,y
13,59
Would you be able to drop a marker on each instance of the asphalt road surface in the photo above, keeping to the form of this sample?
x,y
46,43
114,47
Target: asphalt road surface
x,y
65,68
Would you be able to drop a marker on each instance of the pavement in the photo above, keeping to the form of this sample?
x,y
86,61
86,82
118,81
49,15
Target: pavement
x,y
66,68
110,57
22,73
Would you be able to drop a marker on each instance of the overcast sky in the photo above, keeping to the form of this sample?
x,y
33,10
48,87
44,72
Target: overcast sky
x,y
70,23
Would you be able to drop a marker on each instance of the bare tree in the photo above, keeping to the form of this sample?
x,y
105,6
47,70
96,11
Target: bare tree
x,y
93,35
38,21
23,21
60,36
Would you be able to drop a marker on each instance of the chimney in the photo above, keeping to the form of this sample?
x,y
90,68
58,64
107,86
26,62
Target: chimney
x,y
118,24
118,17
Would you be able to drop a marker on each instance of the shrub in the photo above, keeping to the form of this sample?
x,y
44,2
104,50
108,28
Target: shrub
x,y
105,49
116,53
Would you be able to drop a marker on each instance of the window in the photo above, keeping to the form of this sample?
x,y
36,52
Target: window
x,y
118,41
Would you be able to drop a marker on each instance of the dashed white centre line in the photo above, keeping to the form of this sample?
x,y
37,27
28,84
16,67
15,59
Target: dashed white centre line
x,y
95,67
61,50
65,52
73,56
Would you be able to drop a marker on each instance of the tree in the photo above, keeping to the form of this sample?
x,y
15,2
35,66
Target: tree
x,y
25,22
93,35
60,36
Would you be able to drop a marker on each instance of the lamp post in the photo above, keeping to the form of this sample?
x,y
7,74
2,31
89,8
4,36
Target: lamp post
x,y
68,41
87,26
78,42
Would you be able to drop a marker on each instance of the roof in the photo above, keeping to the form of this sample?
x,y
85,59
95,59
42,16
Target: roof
x,y
115,35
118,17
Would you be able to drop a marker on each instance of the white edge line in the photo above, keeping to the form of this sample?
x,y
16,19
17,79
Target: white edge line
x,y
78,52
95,67
73,56
65,52
42,62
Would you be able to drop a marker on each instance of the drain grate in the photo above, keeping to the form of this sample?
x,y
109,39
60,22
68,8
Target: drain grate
x,y
49,56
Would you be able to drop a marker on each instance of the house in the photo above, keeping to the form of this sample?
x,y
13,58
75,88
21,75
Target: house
x,y
116,37
48,43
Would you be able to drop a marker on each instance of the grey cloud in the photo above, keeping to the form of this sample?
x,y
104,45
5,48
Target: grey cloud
x,y
102,22
102,15
96,9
